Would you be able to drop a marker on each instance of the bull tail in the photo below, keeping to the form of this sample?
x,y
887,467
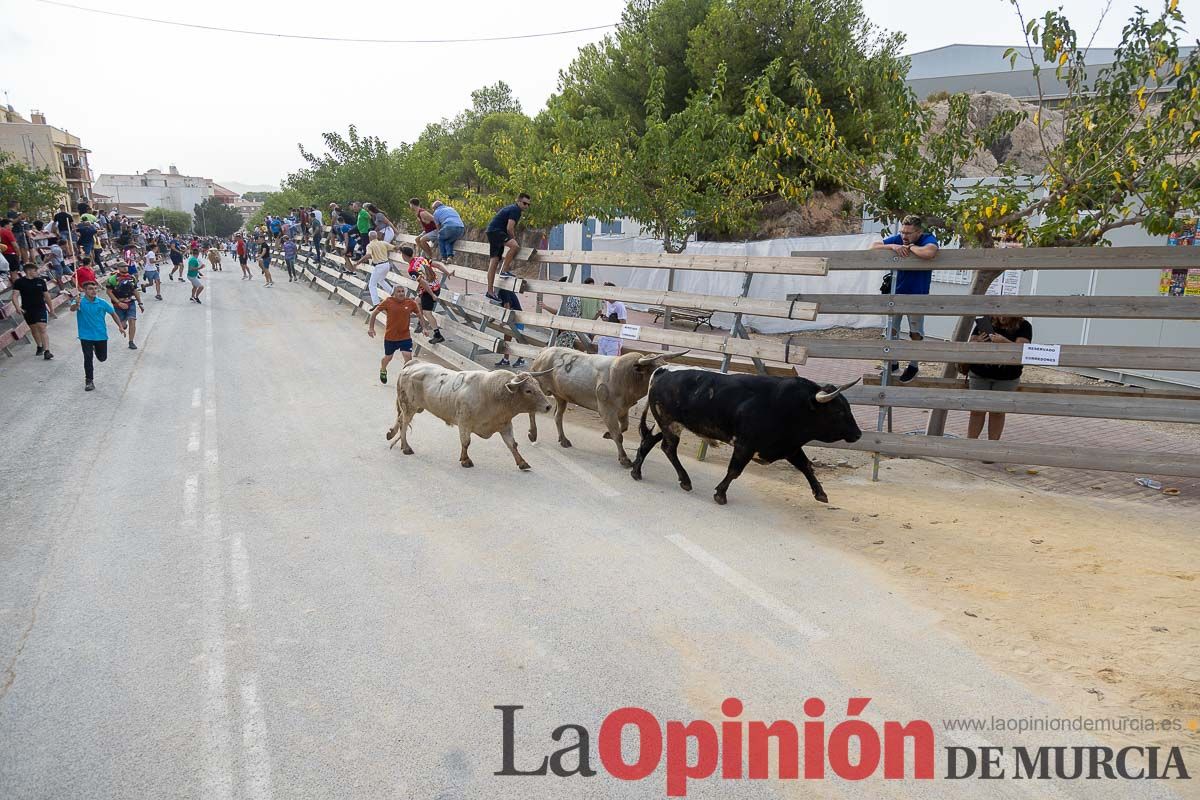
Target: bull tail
x,y
643,428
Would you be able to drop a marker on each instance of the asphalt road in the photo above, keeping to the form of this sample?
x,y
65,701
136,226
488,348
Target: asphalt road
x,y
219,582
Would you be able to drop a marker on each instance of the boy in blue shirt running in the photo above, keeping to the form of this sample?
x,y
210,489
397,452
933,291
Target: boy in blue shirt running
x,y
93,328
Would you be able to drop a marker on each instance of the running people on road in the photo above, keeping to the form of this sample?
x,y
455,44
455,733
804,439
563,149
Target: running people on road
x,y
31,299
264,259
123,293
193,276
377,255
242,257
397,334
289,258
150,274
92,325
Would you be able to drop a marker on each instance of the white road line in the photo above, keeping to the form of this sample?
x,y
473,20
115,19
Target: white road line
x,y
579,472
257,761
759,595
193,445
196,397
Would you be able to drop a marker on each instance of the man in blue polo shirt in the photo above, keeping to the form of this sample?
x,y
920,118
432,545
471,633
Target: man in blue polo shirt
x,y
911,242
502,241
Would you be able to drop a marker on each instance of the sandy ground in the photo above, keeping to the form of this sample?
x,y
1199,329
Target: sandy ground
x,y
1091,603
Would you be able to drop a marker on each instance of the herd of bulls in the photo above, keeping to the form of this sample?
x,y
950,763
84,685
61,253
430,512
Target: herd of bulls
x,y
764,418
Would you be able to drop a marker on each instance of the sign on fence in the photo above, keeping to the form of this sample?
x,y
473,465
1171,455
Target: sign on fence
x,y
1045,355
631,331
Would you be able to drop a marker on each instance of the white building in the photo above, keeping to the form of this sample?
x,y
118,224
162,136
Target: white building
x,y
155,188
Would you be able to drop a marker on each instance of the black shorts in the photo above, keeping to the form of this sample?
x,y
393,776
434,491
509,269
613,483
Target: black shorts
x,y
242,260
428,302
496,243
35,316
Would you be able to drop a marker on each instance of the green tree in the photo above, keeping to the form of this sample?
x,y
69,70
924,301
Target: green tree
x,y
255,197
178,222
277,204
214,218
38,191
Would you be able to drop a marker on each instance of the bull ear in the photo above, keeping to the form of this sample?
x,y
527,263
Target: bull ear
x,y
825,396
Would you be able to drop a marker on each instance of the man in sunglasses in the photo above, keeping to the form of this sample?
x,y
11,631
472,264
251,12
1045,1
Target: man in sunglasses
x,y
502,241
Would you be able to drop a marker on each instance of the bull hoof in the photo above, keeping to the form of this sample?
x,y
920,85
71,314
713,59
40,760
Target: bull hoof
x,y
720,498
408,451
686,486
565,442
391,434
822,497
625,462
635,473
523,466
607,435
466,463
533,436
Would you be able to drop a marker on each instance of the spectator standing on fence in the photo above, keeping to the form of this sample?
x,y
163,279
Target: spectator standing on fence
x,y
363,224
85,232
383,225
502,241
63,224
125,297
995,377
420,269
511,300
57,262
318,232
31,299
613,311
913,241
449,230
397,334
91,321
378,256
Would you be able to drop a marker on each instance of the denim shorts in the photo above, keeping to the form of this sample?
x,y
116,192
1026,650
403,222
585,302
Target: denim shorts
x,y
151,275
392,345
126,314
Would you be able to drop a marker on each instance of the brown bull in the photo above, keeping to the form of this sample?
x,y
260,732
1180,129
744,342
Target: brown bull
x,y
480,403
608,385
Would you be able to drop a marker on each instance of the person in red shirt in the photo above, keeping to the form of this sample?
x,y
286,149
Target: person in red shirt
x,y
9,240
240,247
84,272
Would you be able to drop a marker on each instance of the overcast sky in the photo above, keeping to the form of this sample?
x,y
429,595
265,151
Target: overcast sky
x,y
233,107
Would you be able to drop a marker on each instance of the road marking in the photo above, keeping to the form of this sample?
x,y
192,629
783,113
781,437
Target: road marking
x,y
257,763
759,595
196,397
579,472
193,445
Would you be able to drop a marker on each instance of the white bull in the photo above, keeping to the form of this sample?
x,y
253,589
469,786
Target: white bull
x,y
608,385
480,403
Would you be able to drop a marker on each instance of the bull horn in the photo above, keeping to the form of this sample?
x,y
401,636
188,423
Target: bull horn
x,y
541,372
516,381
650,359
824,396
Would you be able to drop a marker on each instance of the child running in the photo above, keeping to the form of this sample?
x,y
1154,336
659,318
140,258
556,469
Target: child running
x,y
397,334
150,272
92,324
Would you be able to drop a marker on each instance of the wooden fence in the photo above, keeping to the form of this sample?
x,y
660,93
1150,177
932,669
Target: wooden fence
x,y
493,329
948,394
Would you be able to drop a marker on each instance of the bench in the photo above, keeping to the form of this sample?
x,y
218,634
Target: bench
x,y
697,316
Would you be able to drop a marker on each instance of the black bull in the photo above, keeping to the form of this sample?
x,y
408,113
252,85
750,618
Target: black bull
x,y
764,418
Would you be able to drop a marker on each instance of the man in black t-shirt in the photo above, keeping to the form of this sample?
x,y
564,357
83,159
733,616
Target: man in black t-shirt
x,y
31,298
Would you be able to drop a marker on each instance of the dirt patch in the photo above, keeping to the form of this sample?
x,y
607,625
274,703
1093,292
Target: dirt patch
x,y
1092,603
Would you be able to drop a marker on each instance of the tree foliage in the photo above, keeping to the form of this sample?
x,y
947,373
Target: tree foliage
x,y
178,222
38,191
214,218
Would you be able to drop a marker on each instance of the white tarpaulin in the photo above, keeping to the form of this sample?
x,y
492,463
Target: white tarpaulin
x,y
775,287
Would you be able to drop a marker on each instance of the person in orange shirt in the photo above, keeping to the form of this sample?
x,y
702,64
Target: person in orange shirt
x,y
398,334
